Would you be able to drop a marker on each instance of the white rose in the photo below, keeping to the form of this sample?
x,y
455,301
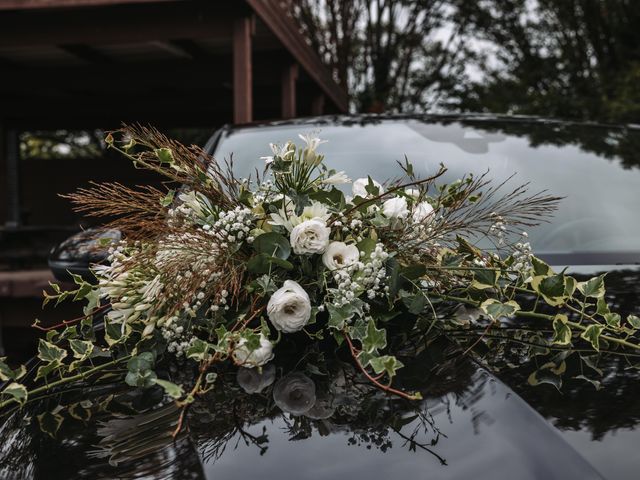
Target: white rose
x,y
256,358
289,308
311,236
422,211
340,255
359,187
395,208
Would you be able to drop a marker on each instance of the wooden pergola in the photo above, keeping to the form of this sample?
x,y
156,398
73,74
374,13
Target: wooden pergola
x,y
174,63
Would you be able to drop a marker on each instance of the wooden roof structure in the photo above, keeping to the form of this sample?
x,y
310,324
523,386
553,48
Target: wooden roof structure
x,y
82,63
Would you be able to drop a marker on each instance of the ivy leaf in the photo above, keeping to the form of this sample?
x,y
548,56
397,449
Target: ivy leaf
x,y
50,423
495,309
82,349
552,288
165,155
376,339
592,335
386,363
545,376
485,278
77,411
170,388
602,307
48,352
339,315
593,288
540,268
613,319
562,332
198,350
634,321
358,330
596,384
17,391
7,373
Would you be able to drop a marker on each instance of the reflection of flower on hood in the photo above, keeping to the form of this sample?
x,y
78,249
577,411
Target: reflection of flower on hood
x,y
295,393
253,380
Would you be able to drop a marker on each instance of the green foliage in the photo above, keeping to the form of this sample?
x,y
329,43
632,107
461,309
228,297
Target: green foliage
x,y
140,373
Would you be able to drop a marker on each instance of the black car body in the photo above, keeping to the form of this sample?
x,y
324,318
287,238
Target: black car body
x,y
479,423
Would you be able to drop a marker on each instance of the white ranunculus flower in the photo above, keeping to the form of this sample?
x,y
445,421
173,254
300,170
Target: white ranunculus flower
x,y
422,211
256,358
359,187
340,255
395,207
337,178
310,236
289,308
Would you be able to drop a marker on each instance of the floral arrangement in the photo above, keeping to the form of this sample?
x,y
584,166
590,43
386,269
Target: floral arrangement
x,y
219,269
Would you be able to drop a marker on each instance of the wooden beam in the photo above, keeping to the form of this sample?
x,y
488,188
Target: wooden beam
x,y
119,24
288,89
39,4
242,71
280,22
317,105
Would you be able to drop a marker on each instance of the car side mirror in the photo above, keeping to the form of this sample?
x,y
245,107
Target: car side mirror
x,y
78,252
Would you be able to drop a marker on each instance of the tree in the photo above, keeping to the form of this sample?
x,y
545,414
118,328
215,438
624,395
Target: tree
x,y
390,55
577,59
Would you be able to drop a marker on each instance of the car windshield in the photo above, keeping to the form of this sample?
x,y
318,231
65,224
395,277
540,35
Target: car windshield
x,y
592,167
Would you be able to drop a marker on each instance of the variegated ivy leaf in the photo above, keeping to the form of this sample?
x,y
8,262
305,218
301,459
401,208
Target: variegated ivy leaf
x,y
485,278
7,373
386,363
170,388
81,349
634,321
592,335
593,288
198,350
495,309
376,338
613,319
554,289
50,423
562,332
17,391
50,353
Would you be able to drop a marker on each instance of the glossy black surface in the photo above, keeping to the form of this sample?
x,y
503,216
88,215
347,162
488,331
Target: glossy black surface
x,y
472,424
469,425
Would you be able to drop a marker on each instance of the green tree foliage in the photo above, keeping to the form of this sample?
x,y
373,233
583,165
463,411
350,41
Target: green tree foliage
x,y
390,55
577,59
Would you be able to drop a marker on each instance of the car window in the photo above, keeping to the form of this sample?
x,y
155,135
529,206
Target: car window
x,y
599,213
